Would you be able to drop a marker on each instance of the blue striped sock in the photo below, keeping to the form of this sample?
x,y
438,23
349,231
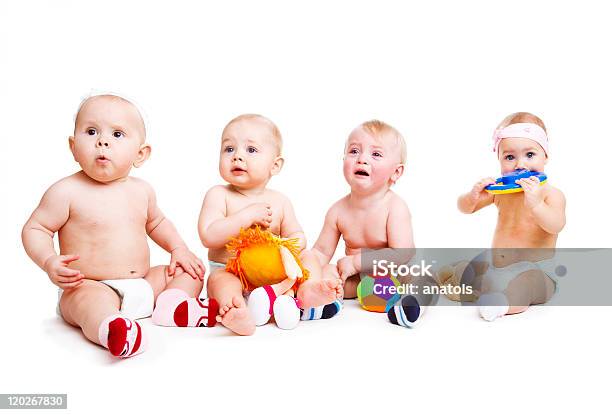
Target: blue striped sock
x,y
322,312
405,312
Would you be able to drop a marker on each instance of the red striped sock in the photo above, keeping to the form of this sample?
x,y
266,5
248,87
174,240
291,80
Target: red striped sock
x,y
175,308
121,336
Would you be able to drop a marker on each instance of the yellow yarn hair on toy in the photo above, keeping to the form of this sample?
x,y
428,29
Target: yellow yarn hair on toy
x,y
256,258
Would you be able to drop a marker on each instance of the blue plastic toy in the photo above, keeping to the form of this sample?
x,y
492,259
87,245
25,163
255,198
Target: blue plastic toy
x,y
506,184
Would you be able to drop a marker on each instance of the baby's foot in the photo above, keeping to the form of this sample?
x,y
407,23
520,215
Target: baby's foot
x,y
406,312
314,293
261,303
236,317
174,307
121,336
322,311
493,306
286,312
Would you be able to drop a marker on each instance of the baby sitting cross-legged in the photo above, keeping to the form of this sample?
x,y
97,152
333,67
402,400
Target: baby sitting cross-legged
x,y
102,217
250,155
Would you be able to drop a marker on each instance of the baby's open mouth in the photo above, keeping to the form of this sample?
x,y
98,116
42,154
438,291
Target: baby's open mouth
x,y
102,157
362,173
238,169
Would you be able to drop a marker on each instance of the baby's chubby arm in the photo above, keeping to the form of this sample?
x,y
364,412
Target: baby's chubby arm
x,y
216,228
37,236
477,198
161,230
326,244
399,225
547,205
290,227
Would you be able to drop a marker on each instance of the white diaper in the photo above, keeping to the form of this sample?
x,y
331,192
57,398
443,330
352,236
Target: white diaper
x,y
136,295
497,279
213,265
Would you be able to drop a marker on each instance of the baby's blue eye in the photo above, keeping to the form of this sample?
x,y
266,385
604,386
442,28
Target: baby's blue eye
x,y
377,154
229,149
91,131
509,157
353,151
530,154
252,149
118,134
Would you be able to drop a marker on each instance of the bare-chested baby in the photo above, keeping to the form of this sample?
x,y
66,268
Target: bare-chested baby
x,y
371,216
521,268
102,217
250,155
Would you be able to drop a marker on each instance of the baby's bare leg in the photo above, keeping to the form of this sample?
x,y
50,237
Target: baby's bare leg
x,y
160,281
528,288
88,305
226,288
350,286
158,278
94,307
320,288
185,282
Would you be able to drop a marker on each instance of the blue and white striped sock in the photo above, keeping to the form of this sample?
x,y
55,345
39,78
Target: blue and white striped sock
x,y
406,312
322,312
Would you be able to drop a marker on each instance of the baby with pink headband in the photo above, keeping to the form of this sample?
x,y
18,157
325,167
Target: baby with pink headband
x,y
517,278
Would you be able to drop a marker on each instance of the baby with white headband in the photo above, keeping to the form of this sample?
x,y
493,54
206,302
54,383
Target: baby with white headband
x,y
532,219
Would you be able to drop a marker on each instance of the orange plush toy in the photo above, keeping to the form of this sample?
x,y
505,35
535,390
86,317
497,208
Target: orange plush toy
x,y
270,268
257,258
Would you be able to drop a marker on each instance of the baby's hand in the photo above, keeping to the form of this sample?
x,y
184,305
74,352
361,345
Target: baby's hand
x,y
330,271
346,267
533,191
56,267
258,214
191,264
479,188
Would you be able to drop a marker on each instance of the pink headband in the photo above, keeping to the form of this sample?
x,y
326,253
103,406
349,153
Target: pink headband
x,y
521,130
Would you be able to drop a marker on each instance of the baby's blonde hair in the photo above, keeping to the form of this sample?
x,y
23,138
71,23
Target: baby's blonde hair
x,y
521,117
118,97
274,131
380,129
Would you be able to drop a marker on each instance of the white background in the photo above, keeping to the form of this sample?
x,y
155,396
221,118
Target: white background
x,y
444,73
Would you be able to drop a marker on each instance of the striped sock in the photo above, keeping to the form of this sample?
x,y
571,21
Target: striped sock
x,y
323,311
121,336
406,312
174,307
